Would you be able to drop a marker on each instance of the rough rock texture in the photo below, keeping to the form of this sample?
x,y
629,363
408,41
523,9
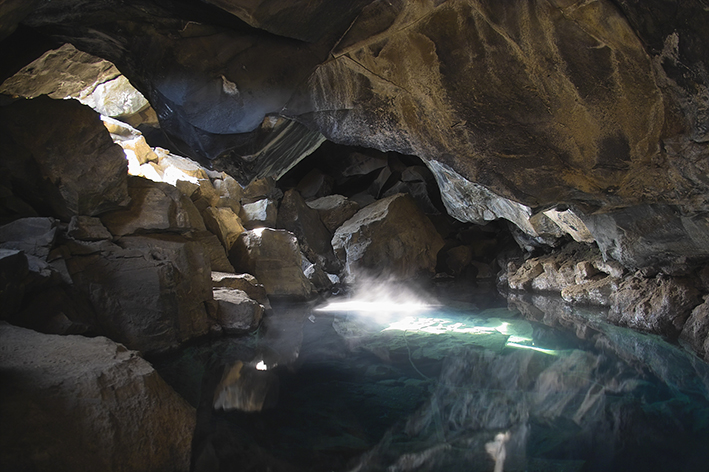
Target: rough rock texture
x,y
214,250
389,236
576,271
334,210
244,282
87,228
154,207
237,312
224,223
149,292
56,171
259,214
297,217
73,403
660,305
273,257
695,332
33,236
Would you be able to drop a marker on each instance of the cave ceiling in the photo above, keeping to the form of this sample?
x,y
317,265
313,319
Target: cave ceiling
x,y
598,105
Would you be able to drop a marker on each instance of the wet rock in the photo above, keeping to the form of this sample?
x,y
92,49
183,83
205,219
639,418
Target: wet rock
x,y
237,312
72,403
695,332
317,276
334,210
594,292
57,171
659,305
33,236
154,207
224,223
87,228
273,257
259,214
149,292
314,238
389,236
245,282
577,271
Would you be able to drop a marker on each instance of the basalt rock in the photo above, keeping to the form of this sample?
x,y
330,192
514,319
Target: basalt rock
x,y
334,210
659,305
55,171
297,217
154,207
149,291
273,257
237,312
73,403
389,236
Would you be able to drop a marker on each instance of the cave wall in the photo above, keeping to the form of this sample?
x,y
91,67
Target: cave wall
x,y
517,108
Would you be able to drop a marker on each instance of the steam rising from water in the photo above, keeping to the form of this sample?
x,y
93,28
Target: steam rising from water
x,y
382,300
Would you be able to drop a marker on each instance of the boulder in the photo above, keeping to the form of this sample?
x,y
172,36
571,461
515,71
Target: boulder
x,y
259,214
244,282
33,236
87,228
149,292
389,236
154,207
314,238
334,210
458,258
273,257
659,305
317,276
74,403
224,223
237,312
230,193
260,189
594,292
214,250
71,168
695,332
206,195
315,184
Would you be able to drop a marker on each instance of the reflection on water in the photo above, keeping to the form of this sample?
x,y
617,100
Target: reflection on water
x,y
454,387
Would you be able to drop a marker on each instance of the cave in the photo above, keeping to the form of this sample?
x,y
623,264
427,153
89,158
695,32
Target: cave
x,y
286,235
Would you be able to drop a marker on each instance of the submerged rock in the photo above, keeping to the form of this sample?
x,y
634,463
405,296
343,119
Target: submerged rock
x,y
74,403
389,236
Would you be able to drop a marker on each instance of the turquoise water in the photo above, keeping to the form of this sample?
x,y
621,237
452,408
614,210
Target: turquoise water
x,y
461,386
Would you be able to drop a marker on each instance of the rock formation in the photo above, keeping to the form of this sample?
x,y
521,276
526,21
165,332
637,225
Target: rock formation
x,y
70,402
